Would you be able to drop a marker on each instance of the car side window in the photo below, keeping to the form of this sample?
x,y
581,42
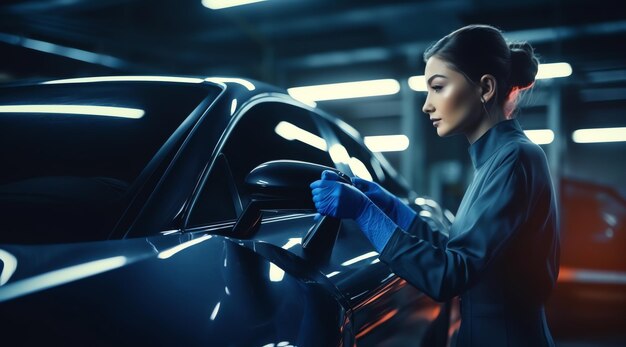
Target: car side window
x,y
218,200
360,161
268,131
363,164
273,131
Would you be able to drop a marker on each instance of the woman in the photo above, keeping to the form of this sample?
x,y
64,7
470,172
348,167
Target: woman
x,y
501,256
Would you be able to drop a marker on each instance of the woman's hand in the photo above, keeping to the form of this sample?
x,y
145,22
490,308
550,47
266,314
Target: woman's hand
x,y
340,200
337,199
400,213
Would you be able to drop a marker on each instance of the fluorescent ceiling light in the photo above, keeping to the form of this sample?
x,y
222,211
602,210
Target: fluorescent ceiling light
x,y
291,132
554,70
105,111
220,4
599,135
345,90
418,83
541,136
387,143
127,79
545,71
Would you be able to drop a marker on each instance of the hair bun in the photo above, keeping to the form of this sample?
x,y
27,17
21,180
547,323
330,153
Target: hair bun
x,y
524,65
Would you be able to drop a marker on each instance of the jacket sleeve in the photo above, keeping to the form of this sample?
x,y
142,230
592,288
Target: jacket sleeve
x,y
420,229
491,221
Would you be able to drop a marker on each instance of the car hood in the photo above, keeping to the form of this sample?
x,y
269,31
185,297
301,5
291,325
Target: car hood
x,y
174,289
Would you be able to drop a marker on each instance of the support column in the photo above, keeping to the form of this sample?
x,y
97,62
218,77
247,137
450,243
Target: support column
x,y
556,148
412,165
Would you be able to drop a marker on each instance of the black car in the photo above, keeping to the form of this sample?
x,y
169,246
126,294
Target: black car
x,y
175,211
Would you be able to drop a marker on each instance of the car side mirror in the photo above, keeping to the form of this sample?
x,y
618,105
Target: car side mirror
x,y
284,185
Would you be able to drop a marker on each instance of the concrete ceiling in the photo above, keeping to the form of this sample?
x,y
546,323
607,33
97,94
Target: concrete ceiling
x,y
288,42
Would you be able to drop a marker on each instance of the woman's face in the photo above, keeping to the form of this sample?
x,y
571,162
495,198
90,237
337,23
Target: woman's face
x,y
453,103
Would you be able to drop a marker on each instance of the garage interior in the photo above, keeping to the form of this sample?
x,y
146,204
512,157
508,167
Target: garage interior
x,y
308,43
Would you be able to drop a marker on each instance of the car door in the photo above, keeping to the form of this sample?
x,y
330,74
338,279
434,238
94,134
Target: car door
x,y
392,308
350,271
277,289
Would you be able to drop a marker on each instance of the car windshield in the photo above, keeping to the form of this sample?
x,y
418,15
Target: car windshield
x,y
72,154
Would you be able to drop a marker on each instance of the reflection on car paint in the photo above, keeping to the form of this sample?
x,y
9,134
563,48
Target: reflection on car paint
x,y
339,154
249,85
333,274
292,242
233,106
86,110
127,79
170,252
9,265
276,273
60,276
359,258
216,309
292,132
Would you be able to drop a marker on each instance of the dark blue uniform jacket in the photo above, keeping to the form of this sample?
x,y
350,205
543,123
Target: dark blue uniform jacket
x,y
502,252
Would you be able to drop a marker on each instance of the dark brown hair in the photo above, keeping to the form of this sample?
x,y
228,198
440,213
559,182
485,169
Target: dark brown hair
x,y
476,50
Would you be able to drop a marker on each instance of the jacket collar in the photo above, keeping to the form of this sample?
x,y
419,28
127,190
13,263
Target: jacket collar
x,y
496,137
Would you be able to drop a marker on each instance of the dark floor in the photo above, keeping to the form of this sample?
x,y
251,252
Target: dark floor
x,y
617,341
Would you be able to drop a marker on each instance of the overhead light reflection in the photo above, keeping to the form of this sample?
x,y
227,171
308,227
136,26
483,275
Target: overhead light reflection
x,y
387,143
170,252
58,277
222,4
233,107
359,169
291,132
127,79
292,242
216,310
449,215
276,273
9,265
334,273
339,154
249,85
105,111
359,258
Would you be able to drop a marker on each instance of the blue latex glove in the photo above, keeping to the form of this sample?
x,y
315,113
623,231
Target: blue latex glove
x,y
340,200
395,209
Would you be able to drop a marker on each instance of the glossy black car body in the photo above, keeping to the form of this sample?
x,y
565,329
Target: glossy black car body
x,y
126,231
